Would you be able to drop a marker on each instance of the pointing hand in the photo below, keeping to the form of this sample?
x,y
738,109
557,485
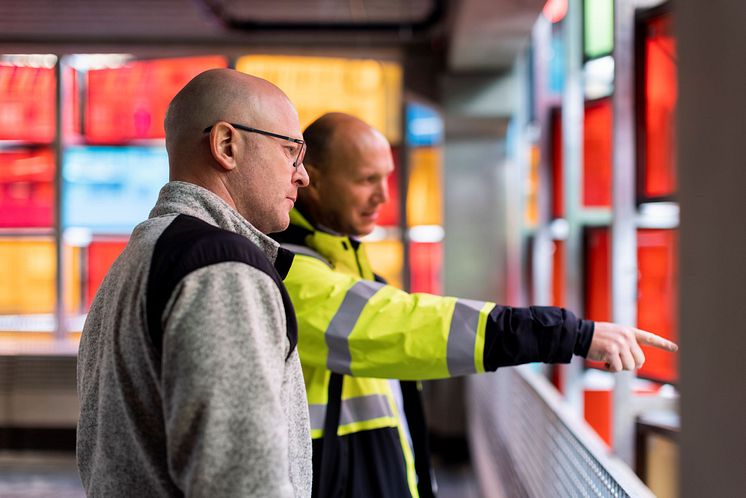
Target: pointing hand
x,y
619,346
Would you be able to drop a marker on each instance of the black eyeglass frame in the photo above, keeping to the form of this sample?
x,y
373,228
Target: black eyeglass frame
x,y
298,160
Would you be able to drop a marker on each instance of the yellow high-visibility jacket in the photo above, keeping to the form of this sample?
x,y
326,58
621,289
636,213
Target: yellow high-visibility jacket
x,y
350,324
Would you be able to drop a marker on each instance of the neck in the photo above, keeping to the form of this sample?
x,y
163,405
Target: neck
x,y
215,185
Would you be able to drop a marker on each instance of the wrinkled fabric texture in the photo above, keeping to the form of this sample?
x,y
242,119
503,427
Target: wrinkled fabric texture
x,y
220,409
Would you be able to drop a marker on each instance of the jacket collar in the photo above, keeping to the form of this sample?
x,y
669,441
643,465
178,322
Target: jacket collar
x,y
343,252
299,220
193,200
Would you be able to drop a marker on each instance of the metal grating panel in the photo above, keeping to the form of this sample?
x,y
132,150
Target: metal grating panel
x,y
38,392
37,373
548,451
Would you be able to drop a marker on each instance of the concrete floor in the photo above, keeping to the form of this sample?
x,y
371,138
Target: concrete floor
x,y
456,481
54,475
39,475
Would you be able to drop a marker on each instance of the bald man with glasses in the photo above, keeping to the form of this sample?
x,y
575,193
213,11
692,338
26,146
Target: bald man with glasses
x,y
188,374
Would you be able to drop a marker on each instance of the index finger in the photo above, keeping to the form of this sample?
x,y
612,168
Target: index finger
x,y
656,341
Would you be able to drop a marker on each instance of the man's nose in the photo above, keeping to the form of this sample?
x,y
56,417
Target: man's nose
x,y
300,176
382,192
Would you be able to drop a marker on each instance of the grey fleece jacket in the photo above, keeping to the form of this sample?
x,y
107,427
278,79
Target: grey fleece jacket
x,y
215,405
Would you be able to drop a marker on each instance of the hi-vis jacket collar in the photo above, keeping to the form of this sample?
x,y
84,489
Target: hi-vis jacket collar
x,y
339,251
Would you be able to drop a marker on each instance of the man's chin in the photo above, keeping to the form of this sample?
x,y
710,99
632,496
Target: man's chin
x,y
280,226
364,229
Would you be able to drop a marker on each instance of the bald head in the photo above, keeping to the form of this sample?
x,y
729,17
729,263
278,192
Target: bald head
x,y
212,96
253,172
337,138
349,162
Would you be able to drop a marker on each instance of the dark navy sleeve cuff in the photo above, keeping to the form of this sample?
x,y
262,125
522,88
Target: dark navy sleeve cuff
x,y
514,336
584,338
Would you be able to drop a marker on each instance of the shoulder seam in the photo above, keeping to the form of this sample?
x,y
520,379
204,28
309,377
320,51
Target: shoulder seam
x,y
306,251
189,244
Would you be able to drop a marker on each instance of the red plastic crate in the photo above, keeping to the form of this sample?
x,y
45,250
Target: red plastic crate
x,y
27,188
598,406
558,273
597,285
597,275
426,262
558,172
656,299
597,138
27,103
101,255
660,108
389,212
130,102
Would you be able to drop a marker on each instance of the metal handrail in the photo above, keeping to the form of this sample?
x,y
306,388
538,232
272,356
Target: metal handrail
x,y
524,432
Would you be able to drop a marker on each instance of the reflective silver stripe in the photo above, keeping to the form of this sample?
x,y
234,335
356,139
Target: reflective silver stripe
x,y
339,329
305,251
316,414
462,337
357,409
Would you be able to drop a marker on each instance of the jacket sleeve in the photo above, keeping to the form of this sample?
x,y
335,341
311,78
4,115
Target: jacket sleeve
x,y
224,348
364,328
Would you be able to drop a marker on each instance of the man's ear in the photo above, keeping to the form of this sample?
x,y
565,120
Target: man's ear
x,y
223,145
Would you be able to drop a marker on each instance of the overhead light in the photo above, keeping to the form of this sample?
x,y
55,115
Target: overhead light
x,y
29,60
599,77
559,228
77,236
85,62
382,233
426,233
658,215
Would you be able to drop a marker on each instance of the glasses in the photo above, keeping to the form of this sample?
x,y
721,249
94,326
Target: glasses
x,y
301,150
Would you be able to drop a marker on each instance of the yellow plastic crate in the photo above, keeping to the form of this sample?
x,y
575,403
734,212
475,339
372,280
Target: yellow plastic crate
x,y
425,190
27,276
366,88
387,259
